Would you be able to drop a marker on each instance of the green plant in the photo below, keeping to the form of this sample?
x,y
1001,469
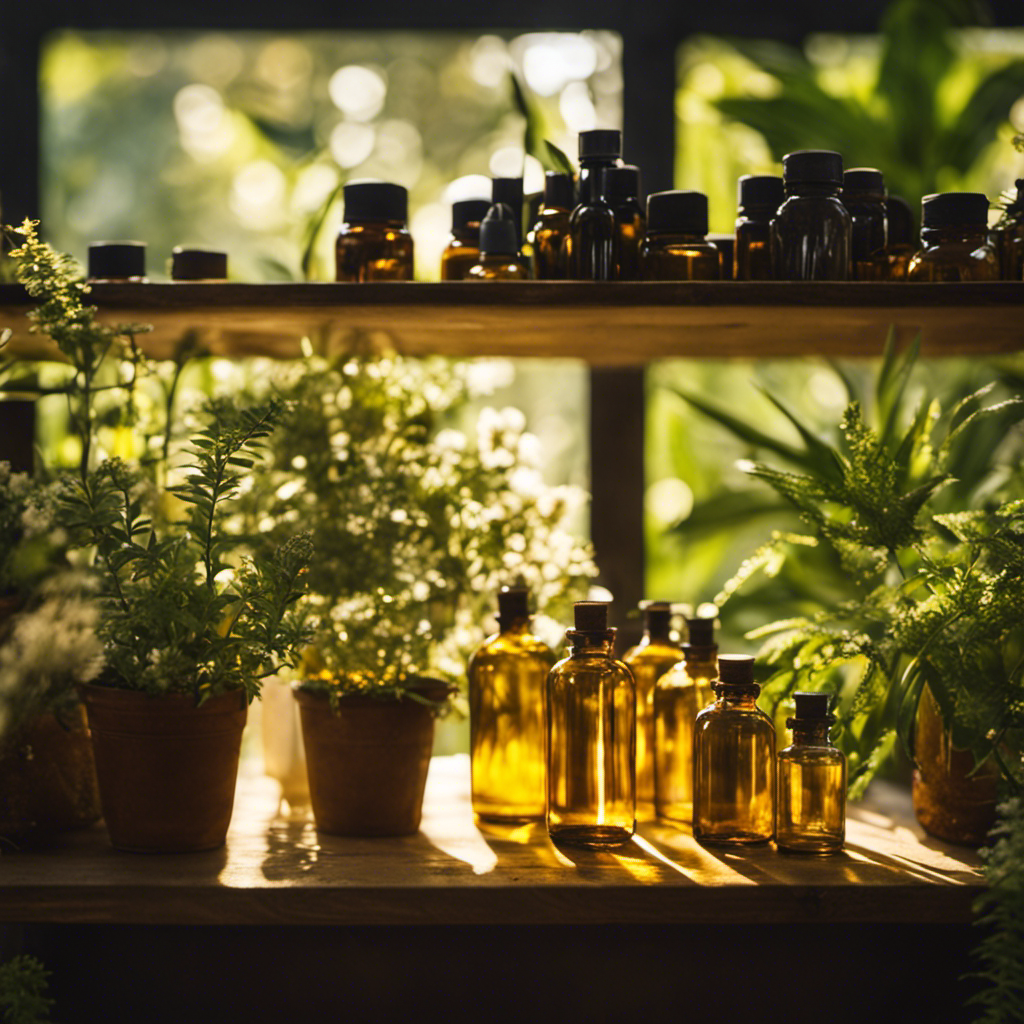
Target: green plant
x,y
23,987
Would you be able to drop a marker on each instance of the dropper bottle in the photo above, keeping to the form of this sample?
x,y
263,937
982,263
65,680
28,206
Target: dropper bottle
x,y
500,259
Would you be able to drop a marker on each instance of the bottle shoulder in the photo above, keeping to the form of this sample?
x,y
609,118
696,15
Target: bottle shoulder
x,y
574,667
824,754
653,652
812,207
501,645
722,715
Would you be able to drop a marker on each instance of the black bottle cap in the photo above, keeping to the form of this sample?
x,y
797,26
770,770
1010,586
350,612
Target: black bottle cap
x,y
901,221
951,209
600,143
657,618
682,212
812,707
375,202
508,191
863,179
117,259
700,632
498,232
814,166
756,190
736,669
198,265
1017,204
558,190
591,616
621,183
513,603
468,211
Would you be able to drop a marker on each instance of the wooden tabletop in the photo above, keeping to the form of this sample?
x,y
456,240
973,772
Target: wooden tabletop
x,y
278,870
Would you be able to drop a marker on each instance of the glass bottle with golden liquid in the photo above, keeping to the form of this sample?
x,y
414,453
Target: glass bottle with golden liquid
x,y
679,695
900,248
649,660
675,247
591,738
864,198
812,782
734,761
552,227
374,243
954,233
760,196
622,191
1008,236
507,679
463,249
500,259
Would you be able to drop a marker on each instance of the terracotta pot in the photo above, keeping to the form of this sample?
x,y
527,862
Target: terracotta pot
x,y
166,768
367,762
949,804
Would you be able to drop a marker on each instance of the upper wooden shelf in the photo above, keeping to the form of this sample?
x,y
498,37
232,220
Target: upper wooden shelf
x,y
614,323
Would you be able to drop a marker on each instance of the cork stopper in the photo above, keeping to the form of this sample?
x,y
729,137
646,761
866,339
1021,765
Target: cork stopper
x,y
513,605
591,616
811,708
700,632
657,618
736,669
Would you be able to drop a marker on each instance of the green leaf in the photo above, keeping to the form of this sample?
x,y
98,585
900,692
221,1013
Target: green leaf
x,y
557,160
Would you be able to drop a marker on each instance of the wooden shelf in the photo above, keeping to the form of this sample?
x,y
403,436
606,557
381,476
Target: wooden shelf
x,y
615,323
276,871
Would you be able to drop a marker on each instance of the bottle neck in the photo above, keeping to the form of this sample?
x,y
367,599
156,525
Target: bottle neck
x,y
801,189
701,661
590,645
592,179
810,734
973,234
735,696
516,626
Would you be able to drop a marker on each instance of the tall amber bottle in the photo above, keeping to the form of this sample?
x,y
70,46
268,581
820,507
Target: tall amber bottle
x,y
374,243
622,190
675,247
591,738
734,761
812,782
500,259
954,233
590,244
463,248
864,199
1008,236
760,196
649,660
507,679
811,233
900,248
679,695
550,260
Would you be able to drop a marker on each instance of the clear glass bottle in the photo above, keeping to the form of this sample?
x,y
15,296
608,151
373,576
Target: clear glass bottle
x,y
1008,235
954,236
510,192
198,264
734,761
811,232
759,198
622,190
547,238
500,259
900,248
864,198
680,694
507,679
591,738
675,247
812,782
463,248
374,243
649,660
117,263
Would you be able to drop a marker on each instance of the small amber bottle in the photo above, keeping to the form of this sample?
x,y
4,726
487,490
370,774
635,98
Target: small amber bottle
x,y
591,738
507,679
812,231
622,190
590,246
552,227
117,263
812,782
679,695
900,248
649,660
510,192
954,234
500,259
734,761
760,196
675,247
463,248
1008,236
198,264
864,198
374,243
726,246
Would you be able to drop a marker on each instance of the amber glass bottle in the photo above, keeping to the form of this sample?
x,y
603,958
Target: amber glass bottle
x,y
463,249
734,761
550,260
590,246
726,246
900,247
864,199
374,243
760,196
507,678
117,262
649,660
622,190
954,233
679,695
675,247
500,259
198,264
1008,237
510,192
812,782
591,738
811,233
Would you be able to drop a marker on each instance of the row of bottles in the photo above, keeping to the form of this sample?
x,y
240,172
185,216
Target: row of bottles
x,y
590,742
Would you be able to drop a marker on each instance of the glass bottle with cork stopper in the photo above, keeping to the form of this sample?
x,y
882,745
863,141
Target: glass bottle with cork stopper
x,y
900,248
550,261
812,782
812,231
117,263
1008,235
679,695
649,660
198,265
500,259
759,197
507,679
864,198
675,247
374,243
954,236
591,738
734,761
463,248
622,191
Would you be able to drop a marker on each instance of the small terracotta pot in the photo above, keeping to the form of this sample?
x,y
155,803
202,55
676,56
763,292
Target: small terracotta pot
x,y
166,768
367,762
